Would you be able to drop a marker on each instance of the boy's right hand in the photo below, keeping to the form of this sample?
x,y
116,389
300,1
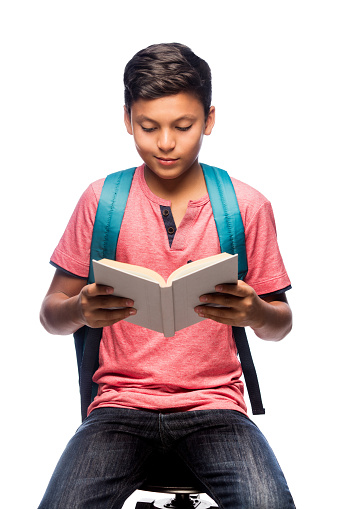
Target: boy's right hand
x,y
99,307
70,303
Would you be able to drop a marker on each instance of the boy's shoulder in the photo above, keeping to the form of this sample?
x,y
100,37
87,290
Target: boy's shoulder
x,y
95,188
247,193
91,195
250,200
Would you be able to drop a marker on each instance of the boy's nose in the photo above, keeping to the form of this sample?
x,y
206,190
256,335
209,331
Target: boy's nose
x,y
166,141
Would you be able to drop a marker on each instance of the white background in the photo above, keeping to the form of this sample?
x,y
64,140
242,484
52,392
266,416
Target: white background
x,y
275,88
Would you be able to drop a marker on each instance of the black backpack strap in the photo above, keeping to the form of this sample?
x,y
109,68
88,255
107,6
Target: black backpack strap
x,y
89,365
248,369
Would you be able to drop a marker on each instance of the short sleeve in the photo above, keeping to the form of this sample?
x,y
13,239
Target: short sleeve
x,y
72,253
266,270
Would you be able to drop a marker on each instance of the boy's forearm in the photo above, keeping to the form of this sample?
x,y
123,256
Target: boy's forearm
x,y
60,314
276,319
238,305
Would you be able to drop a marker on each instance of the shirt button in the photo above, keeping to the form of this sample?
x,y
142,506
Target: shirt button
x,y
165,212
170,230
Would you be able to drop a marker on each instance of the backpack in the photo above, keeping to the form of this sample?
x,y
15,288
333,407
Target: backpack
x,y
106,230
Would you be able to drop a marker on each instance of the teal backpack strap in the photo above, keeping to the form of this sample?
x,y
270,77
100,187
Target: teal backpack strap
x,y
226,215
108,219
231,233
105,235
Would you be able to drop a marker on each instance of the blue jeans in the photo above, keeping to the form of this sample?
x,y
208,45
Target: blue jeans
x,y
106,460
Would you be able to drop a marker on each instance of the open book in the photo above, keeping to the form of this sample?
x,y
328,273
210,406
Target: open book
x,y
167,306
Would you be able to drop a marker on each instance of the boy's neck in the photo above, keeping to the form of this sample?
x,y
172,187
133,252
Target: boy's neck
x,y
188,186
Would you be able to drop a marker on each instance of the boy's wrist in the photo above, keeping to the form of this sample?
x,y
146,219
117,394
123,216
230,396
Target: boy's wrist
x,y
275,321
62,314
261,315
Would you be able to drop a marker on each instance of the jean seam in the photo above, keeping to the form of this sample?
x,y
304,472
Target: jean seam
x,y
161,432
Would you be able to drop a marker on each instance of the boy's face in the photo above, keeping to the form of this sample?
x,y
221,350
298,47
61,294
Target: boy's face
x,y
168,132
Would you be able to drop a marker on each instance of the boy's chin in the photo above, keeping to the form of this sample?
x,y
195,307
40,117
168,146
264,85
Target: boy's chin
x,y
165,174
170,171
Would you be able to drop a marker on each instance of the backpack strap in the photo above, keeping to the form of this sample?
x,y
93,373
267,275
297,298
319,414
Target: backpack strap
x,y
108,219
250,374
105,235
227,215
89,365
231,233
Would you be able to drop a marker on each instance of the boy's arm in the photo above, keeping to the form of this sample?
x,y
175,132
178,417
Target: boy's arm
x,y
70,303
270,317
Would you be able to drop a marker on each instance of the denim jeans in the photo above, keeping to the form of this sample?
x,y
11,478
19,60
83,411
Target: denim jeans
x,y
106,459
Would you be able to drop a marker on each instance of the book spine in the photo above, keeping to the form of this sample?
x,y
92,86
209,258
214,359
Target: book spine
x,y
167,309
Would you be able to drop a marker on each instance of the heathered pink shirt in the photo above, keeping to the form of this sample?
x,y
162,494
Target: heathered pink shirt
x,y
197,368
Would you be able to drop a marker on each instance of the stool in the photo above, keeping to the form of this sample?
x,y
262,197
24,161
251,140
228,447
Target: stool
x,y
168,474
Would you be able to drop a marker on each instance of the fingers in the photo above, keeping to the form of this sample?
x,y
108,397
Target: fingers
x,y
101,308
219,299
108,317
102,296
219,314
222,313
217,306
228,295
231,304
240,289
93,290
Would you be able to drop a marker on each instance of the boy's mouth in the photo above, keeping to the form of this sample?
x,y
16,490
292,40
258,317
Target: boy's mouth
x,y
167,161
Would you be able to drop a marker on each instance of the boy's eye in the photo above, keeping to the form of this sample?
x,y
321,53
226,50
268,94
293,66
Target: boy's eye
x,y
152,129
184,128
148,129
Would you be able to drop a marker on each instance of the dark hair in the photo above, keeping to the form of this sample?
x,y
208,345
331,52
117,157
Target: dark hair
x,y
167,69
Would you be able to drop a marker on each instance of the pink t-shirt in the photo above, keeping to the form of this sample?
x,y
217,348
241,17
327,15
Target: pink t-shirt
x,y
197,368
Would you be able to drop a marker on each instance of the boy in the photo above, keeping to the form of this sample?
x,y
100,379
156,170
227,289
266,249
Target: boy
x,y
183,393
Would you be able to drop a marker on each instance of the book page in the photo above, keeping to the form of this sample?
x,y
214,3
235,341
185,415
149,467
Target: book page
x,y
136,270
197,265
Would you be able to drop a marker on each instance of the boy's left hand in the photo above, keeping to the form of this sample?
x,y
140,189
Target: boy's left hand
x,y
239,304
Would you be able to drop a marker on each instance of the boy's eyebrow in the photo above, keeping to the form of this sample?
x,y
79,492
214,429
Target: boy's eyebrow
x,y
144,118
186,117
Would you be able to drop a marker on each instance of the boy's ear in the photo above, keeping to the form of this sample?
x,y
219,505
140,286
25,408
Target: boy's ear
x,y
127,121
210,121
